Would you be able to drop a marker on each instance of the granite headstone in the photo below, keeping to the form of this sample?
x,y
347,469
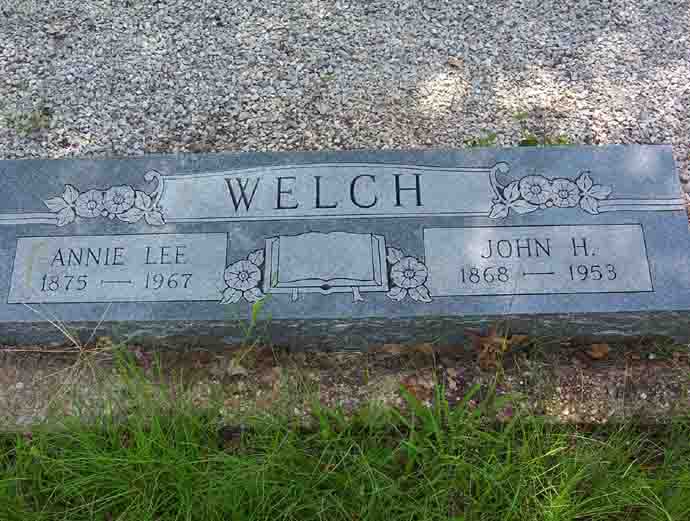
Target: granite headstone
x,y
345,248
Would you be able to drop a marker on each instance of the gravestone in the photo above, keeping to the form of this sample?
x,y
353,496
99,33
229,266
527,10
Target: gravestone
x,y
345,248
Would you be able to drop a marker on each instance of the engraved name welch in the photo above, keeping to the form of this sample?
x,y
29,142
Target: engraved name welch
x,y
361,192
340,190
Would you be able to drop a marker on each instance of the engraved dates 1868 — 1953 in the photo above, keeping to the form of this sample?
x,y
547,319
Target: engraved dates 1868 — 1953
x,y
537,260
112,268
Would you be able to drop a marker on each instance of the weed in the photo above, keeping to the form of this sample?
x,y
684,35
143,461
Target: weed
x,y
27,123
528,140
250,330
557,140
540,137
521,116
172,460
531,140
488,140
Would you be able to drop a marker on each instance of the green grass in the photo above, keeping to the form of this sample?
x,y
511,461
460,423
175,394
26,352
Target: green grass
x,y
488,140
27,123
167,460
532,140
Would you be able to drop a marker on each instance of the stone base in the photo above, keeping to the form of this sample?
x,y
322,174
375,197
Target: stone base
x,y
356,334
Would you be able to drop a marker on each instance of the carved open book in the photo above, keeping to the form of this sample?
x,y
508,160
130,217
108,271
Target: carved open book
x,y
335,262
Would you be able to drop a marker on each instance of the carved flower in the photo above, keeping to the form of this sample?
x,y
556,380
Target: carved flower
x,y
408,276
566,194
242,279
89,204
118,199
409,273
242,275
536,189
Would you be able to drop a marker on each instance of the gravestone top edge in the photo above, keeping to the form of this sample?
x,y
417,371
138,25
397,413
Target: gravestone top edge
x,y
311,155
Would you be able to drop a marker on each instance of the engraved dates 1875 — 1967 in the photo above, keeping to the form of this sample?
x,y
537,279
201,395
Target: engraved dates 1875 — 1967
x,y
537,260
118,268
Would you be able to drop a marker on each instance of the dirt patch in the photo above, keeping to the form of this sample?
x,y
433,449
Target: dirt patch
x,y
568,381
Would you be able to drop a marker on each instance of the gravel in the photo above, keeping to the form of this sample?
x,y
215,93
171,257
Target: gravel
x,y
128,77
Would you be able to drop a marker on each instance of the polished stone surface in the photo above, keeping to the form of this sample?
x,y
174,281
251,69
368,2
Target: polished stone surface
x,y
118,268
342,238
534,260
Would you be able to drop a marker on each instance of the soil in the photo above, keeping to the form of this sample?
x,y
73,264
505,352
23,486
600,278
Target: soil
x,y
566,380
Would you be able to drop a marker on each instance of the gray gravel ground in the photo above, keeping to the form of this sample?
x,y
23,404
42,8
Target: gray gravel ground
x,y
123,77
